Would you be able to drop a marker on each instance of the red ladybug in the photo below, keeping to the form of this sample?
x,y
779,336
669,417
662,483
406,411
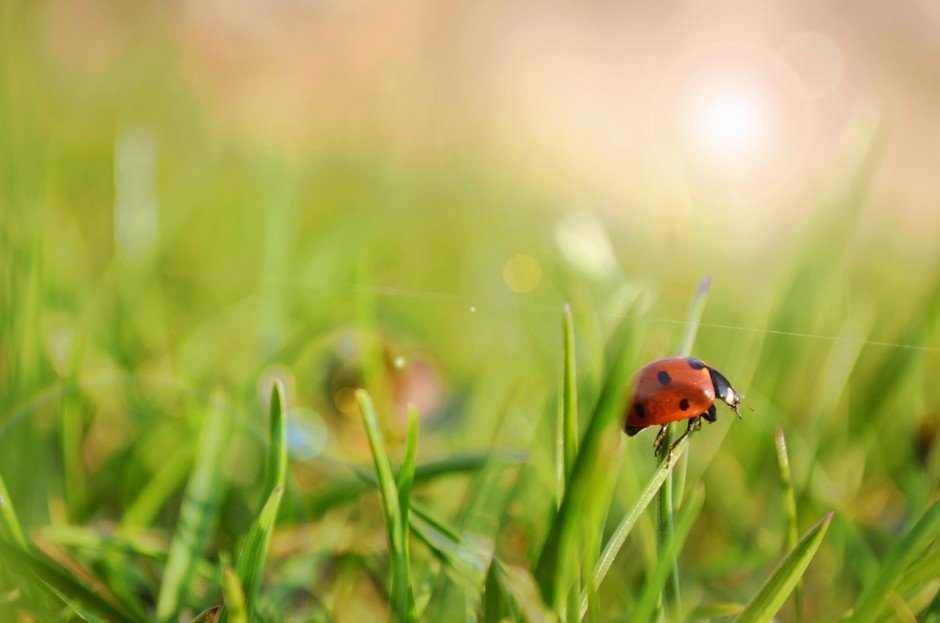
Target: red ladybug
x,y
677,388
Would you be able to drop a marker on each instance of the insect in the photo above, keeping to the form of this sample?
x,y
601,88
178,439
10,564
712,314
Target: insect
x,y
673,389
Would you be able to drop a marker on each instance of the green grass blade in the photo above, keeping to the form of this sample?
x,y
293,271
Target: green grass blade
x,y
154,495
198,513
254,552
276,475
669,496
253,555
569,394
775,590
576,528
9,524
234,597
657,580
405,482
696,309
76,607
32,565
406,475
789,506
569,435
619,536
347,489
402,601
873,598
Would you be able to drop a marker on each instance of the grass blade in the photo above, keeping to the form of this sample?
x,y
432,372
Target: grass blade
x,y
569,395
75,607
775,590
234,597
789,506
198,512
9,524
568,433
668,498
619,537
575,529
254,552
646,602
277,440
347,489
32,565
405,481
873,598
402,600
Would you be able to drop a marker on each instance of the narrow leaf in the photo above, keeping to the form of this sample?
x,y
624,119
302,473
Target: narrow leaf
x,y
9,524
31,565
646,602
198,513
401,595
789,506
775,590
873,598
234,597
619,537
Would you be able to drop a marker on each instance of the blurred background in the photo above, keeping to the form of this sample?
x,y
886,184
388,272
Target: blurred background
x,y
198,196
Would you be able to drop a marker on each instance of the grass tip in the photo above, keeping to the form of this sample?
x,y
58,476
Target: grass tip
x,y
704,284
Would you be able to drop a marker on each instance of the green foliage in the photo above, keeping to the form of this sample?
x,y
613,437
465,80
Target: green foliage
x,y
395,509
159,266
198,513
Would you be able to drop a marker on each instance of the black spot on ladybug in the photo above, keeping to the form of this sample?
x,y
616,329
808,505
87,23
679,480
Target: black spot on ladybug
x,y
696,364
684,404
639,410
664,377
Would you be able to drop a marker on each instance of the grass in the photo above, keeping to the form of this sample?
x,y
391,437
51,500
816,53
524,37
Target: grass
x,y
148,472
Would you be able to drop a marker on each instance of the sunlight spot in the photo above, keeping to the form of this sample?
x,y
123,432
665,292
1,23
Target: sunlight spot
x,y
522,273
730,123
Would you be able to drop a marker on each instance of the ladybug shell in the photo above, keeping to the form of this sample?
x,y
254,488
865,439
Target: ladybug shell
x,y
668,390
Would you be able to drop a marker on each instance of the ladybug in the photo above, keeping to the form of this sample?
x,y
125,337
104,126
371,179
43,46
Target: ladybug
x,y
677,388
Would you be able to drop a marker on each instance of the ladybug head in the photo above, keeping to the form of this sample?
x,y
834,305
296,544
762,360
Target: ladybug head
x,y
725,391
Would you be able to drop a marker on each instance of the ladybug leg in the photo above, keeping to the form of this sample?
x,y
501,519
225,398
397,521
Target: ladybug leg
x,y
660,437
711,415
695,424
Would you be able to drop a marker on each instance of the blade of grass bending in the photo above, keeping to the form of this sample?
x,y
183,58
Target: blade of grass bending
x,y
668,498
619,537
32,565
873,598
198,512
789,506
348,489
775,590
401,596
576,528
234,597
75,607
9,524
207,616
254,552
646,602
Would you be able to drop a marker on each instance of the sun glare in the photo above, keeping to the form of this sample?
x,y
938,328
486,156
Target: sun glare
x,y
730,123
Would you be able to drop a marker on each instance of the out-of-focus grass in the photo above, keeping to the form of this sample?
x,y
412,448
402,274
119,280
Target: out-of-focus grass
x,y
344,267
